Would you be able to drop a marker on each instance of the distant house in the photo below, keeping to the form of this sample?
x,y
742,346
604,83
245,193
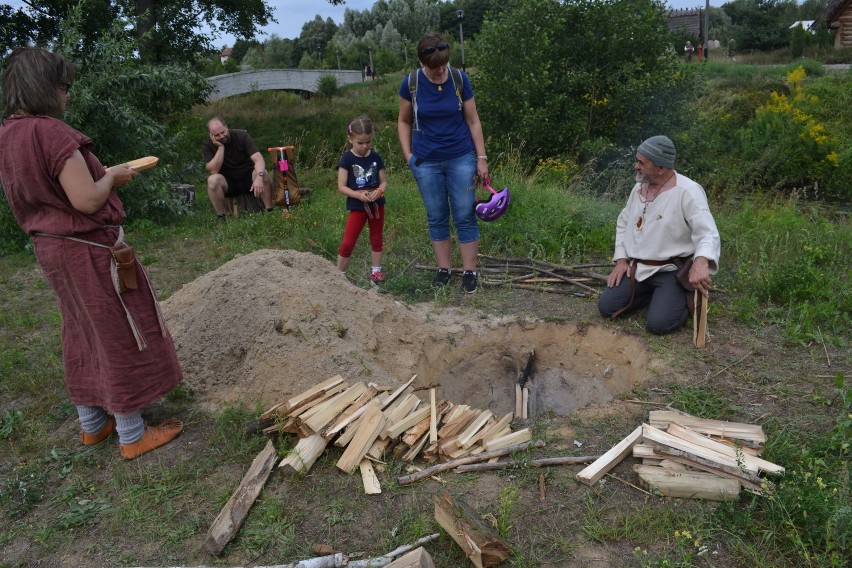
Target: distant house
x,y
686,21
838,15
225,54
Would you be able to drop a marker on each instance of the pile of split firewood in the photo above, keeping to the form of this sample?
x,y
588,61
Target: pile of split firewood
x,y
689,457
369,422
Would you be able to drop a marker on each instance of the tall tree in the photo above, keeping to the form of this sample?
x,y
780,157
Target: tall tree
x,y
167,30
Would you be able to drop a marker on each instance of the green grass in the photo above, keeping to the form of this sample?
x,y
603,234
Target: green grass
x,y
785,266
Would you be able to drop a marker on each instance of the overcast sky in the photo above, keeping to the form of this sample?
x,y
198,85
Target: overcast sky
x,y
292,14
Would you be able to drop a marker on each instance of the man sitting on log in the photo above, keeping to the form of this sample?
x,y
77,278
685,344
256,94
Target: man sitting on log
x,y
665,227
236,167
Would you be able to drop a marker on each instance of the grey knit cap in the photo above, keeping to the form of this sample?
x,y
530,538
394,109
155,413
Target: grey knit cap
x,y
660,150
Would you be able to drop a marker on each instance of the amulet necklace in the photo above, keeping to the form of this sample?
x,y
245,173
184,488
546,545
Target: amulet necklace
x,y
640,222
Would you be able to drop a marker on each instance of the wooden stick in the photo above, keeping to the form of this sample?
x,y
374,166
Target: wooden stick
x,y
543,462
407,479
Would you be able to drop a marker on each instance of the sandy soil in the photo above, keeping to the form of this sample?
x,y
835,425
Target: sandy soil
x,y
269,325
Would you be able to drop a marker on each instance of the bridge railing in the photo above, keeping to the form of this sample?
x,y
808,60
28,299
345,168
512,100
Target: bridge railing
x,y
232,84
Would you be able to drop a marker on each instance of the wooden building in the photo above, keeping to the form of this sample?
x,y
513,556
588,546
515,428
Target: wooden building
x,y
838,16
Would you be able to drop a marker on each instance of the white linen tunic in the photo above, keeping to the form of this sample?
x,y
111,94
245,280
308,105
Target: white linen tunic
x,y
677,222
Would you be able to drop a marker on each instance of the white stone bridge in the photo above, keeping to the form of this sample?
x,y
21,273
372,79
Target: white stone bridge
x,y
277,79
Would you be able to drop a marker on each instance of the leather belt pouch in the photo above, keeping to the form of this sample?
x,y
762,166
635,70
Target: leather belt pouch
x,y
684,265
125,261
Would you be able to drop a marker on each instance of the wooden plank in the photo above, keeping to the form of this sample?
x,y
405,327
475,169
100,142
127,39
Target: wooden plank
x,y
395,430
417,558
688,484
480,543
495,430
307,450
451,429
415,449
231,517
699,335
399,410
754,463
733,430
369,427
466,437
656,436
351,419
525,403
519,400
334,407
356,406
509,440
369,478
597,469
287,407
433,424
392,397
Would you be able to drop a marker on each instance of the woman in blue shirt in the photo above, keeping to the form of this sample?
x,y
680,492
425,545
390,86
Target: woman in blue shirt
x,y
442,141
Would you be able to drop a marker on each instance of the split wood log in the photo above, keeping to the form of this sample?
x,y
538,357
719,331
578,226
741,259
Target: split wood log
x,y
369,427
480,543
665,441
591,474
417,558
467,437
542,462
525,403
509,439
302,457
345,423
415,449
393,396
285,408
495,430
394,430
433,424
688,484
747,434
369,478
334,408
699,320
519,400
424,473
753,462
341,421
231,517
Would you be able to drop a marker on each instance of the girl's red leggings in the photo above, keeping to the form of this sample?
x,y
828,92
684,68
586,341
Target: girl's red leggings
x,y
355,223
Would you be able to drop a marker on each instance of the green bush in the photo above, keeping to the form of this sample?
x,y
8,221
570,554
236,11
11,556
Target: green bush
x,y
607,82
327,86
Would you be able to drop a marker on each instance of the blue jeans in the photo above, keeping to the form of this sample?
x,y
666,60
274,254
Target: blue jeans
x,y
448,186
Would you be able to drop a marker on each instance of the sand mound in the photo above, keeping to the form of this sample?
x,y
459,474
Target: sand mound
x,y
269,325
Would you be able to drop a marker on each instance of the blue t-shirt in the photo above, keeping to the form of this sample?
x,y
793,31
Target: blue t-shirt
x,y
362,174
443,133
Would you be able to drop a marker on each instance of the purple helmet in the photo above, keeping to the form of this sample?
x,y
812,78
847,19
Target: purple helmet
x,y
491,209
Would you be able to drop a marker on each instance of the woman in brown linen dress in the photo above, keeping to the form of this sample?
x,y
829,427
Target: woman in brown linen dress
x,y
117,354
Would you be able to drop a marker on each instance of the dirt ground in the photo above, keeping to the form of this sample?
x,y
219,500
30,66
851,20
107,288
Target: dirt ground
x,y
269,325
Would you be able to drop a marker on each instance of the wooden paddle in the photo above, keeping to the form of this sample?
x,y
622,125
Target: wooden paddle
x,y
142,164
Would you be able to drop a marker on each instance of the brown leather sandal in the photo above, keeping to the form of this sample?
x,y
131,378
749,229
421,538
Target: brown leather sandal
x,y
154,437
109,428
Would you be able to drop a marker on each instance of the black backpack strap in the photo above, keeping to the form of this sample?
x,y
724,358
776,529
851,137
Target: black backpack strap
x,y
458,84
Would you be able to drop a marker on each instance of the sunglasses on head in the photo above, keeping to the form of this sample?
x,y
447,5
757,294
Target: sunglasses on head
x,y
443,46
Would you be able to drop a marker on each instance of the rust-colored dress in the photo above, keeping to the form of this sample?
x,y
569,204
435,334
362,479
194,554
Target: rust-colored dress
x,y
105,364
